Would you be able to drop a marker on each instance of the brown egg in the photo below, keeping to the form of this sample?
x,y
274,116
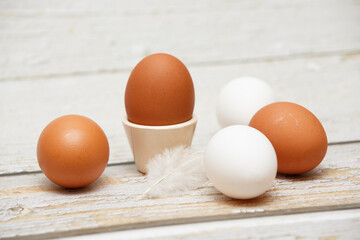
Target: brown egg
x,y
297,135
159,91
72,151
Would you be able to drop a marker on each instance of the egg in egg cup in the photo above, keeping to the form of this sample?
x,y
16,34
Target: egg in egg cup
x,y
159,102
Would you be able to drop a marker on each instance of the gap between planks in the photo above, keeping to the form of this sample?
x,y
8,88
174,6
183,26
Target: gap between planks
x,y
344,224
172,222
39,171
279,58
132,162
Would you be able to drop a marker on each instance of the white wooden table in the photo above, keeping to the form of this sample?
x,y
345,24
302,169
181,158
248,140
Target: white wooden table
x,y
75,57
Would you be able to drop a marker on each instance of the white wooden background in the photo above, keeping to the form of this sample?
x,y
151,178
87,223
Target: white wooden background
x,y
60,57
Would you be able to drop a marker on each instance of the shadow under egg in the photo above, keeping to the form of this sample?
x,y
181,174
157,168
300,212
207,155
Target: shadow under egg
x,y
49,186
314,174
252,202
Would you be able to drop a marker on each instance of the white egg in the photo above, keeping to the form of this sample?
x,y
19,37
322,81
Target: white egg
x,y
240,99
240,161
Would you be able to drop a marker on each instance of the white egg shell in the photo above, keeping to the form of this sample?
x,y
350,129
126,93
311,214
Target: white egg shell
x,y
240,161
240,99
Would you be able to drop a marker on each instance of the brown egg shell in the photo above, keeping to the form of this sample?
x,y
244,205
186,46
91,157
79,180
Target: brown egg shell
x,y
72,151
297,135
159,91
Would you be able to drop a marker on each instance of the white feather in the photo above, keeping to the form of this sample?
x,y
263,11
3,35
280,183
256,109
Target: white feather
x,y
174,172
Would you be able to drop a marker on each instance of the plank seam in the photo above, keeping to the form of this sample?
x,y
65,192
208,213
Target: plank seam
x,y
132,162
180,221
195,64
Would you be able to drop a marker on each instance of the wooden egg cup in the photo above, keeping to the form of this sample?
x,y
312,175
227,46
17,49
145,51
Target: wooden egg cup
x,y
148,141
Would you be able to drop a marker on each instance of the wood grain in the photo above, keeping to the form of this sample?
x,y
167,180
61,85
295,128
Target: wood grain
x,y
41,38
328,225
328,86
29,201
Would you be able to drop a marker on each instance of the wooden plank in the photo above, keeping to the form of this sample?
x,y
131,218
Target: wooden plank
x,y
328,86
39,38
344,224
32,207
